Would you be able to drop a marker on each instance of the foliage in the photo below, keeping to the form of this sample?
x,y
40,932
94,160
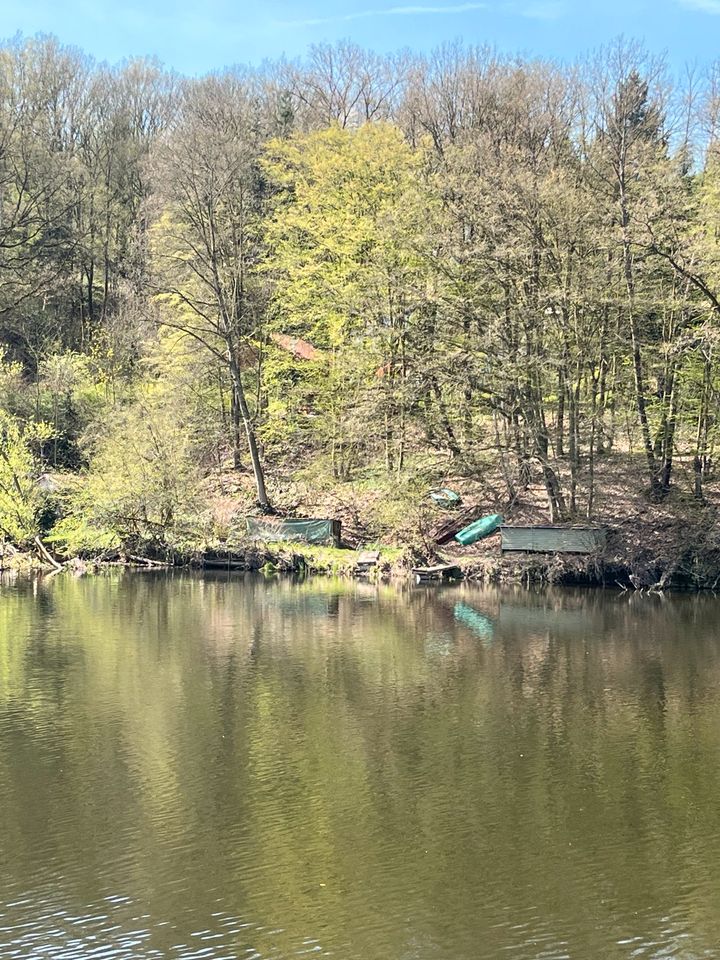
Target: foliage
x,y
20,494
350,254
352,274
141,486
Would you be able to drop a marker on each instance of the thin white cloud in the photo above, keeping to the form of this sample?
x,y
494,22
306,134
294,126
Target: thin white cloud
x,y
546,10
410,11
706,6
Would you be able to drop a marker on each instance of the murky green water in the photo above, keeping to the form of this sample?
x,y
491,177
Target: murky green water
x,y
210,768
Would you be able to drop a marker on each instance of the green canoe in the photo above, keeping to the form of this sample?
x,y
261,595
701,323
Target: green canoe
x,y
479,529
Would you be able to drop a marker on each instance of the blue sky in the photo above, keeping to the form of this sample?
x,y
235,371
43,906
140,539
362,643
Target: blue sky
x,y
196,37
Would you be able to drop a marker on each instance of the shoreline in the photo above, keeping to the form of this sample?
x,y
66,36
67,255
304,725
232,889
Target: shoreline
x,y
488,567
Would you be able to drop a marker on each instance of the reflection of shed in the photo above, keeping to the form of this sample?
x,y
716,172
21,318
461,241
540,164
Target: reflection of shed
x,y
552,539
527,620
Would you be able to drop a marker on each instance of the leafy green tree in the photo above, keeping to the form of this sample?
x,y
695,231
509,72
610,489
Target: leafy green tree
x,y
141,489
349,244
20,495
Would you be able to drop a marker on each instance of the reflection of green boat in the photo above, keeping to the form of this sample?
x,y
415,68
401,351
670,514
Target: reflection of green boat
x,y
479,529
480,625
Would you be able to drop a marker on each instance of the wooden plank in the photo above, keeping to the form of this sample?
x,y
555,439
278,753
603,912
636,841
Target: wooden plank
x,y
441,571
368,558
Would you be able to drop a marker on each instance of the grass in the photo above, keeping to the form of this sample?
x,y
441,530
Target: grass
x,y
335,560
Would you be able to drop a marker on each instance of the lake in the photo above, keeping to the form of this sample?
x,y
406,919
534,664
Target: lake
x,y
230,767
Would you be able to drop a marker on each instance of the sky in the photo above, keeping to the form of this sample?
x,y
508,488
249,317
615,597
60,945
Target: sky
x,y
194,38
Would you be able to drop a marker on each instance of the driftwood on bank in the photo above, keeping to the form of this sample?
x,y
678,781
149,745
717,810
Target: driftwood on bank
x,y
45,554
146,561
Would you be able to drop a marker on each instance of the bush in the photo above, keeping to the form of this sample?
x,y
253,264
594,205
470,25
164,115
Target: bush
x,y
21,498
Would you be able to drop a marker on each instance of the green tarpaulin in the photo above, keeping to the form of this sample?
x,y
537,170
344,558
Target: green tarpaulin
x,y
446,497
273,529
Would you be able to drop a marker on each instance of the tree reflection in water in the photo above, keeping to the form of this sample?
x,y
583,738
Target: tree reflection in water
x,y
252,768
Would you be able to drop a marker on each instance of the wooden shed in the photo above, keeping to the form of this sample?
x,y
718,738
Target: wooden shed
x,y
552,539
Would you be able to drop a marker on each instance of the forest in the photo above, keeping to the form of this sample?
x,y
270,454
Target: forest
x,y
325,287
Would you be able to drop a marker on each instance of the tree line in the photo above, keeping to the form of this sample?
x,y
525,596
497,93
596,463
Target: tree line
x,y
353,266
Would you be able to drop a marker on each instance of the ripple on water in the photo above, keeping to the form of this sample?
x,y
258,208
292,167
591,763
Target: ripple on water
x,y
375,780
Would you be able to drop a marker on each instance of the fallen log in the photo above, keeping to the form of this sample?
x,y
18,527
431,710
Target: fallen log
x,y
146,561
45,554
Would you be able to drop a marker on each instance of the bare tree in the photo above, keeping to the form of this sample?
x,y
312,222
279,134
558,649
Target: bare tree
x,y
344,84
206,247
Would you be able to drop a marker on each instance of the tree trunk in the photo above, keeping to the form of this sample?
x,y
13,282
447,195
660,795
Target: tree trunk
x,y
244,412
701,436
639,378
236,422
560,428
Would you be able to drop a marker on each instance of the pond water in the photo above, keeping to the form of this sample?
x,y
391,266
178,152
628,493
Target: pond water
x,y
224,767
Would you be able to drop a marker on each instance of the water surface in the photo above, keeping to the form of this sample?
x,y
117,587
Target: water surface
x,y
214,767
